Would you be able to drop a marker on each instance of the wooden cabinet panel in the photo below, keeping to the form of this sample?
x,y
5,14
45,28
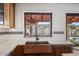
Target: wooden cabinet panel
x,y
18,51
12,16
35,48
39,50
6,14
9,14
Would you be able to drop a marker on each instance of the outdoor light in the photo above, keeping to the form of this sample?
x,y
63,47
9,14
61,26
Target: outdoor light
x,y
75,24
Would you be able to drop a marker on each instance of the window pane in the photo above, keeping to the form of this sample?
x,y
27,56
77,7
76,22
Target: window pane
x,y
43,28
1,13
1,18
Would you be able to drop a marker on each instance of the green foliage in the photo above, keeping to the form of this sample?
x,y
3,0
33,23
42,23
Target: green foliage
x,y
74,41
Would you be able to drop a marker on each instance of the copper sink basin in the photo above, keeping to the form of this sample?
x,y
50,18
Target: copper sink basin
x,y
39,42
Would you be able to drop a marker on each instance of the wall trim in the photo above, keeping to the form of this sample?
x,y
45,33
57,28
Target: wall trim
x,y
58,32
2,33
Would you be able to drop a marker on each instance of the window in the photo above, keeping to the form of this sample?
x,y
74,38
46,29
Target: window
x,y
38,24
1,14
73,27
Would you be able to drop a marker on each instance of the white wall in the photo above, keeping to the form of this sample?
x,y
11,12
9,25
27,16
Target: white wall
x,y
59,16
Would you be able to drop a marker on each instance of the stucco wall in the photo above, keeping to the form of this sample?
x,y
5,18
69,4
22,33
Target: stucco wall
x,y
59,16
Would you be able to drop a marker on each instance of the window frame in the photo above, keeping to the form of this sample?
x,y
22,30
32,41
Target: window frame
x,y
70,14
50,13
